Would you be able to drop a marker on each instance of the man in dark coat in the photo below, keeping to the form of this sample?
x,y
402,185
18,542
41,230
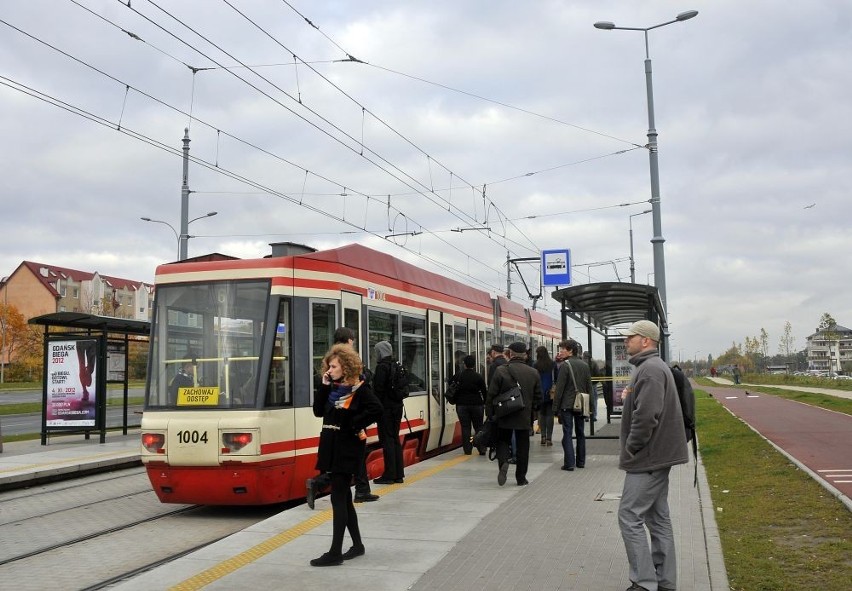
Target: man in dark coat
x,y
391,416
504,379
497,357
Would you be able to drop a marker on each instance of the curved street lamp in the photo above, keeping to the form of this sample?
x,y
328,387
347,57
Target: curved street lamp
x,y
632,262
657,240
209,214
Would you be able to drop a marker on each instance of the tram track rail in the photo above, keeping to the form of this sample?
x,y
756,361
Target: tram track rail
x,y
96,531
118,528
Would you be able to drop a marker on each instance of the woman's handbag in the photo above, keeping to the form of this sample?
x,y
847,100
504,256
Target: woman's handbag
x,y
581,400
510,401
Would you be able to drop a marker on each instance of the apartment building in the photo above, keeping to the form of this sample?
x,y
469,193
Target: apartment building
x,y
830,352
37,288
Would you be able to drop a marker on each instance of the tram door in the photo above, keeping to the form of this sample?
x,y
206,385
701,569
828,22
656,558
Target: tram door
x,y
351,317
437,406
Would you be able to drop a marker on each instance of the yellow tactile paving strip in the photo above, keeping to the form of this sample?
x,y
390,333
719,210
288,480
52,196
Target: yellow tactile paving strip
x,y
235,563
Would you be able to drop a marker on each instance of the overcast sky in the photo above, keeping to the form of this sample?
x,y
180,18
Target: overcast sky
x,y
752,103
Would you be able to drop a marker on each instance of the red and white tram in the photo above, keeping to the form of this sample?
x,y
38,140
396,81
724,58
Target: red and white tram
x,y
247,337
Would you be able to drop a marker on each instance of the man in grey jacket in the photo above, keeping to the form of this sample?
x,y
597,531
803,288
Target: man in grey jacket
x,y
505,378
563,403
652,441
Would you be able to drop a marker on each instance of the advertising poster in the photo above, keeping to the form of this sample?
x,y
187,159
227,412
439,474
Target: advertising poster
x,y
620,373
71,387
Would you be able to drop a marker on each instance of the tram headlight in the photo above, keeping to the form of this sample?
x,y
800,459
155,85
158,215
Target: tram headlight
x,y
235,441
154,442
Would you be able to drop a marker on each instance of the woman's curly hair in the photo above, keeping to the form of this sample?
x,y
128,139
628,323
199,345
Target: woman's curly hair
x,y
350,362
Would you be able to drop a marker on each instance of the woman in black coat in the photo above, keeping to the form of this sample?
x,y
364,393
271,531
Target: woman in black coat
x,y
470,402
347,406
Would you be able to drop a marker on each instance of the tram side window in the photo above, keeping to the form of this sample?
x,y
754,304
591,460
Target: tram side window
x,y
323,325
435,360
279,389
413,356
381,326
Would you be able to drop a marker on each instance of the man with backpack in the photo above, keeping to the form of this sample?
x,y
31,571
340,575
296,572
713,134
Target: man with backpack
x,y
388,386
652,440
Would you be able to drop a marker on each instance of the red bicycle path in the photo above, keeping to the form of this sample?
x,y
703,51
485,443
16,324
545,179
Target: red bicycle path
x,y
817,438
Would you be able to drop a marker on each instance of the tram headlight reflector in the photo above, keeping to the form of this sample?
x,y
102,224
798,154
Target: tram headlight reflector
x,y
235,441
154,442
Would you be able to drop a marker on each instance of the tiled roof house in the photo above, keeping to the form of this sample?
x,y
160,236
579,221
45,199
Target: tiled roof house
x,y
38,288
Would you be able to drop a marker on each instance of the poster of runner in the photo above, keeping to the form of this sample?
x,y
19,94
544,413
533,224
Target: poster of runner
x,y
71,383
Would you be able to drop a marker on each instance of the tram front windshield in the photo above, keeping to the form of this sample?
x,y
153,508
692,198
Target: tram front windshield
x,y
206,345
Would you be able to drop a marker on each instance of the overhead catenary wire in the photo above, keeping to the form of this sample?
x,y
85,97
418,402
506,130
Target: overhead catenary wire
x,y
492,208
195,70
28,90
127,86
313,124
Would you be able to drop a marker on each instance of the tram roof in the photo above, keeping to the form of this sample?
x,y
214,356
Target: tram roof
x,y
82,321
362,257
602,306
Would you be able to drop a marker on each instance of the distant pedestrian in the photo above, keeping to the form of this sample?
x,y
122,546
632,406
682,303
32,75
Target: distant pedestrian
x,y
546,371
652,441
593,394
736,374
470,402
496,358
713,371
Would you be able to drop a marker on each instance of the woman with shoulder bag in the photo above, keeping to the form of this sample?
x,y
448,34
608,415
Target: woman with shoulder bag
x,y
470,402
574,377
347,406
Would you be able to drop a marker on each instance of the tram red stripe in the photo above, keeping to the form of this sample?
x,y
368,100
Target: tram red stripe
x,y
275,447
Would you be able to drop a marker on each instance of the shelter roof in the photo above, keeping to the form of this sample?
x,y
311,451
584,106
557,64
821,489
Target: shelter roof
x,y
81,321
603,306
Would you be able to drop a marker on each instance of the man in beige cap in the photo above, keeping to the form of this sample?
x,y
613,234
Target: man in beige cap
x,y
652,441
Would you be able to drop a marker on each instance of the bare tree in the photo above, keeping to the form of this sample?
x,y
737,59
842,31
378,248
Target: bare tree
x,y
764,347
828,328
788,342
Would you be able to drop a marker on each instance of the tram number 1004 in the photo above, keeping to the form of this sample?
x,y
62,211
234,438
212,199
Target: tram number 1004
x,y
192,436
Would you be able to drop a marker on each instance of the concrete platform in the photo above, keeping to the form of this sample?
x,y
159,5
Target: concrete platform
x,y
450,526
26,463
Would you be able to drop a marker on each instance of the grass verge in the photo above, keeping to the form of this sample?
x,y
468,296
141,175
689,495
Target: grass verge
x,y
25,408
780,530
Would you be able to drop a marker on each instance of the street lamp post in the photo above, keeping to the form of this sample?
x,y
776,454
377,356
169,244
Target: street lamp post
x,y
181,238
632,262
657,240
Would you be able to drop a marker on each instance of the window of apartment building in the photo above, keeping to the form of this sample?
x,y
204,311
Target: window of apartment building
x,y
75,293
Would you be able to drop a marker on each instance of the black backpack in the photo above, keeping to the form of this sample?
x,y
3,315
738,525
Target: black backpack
x,y
687,407
398,382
